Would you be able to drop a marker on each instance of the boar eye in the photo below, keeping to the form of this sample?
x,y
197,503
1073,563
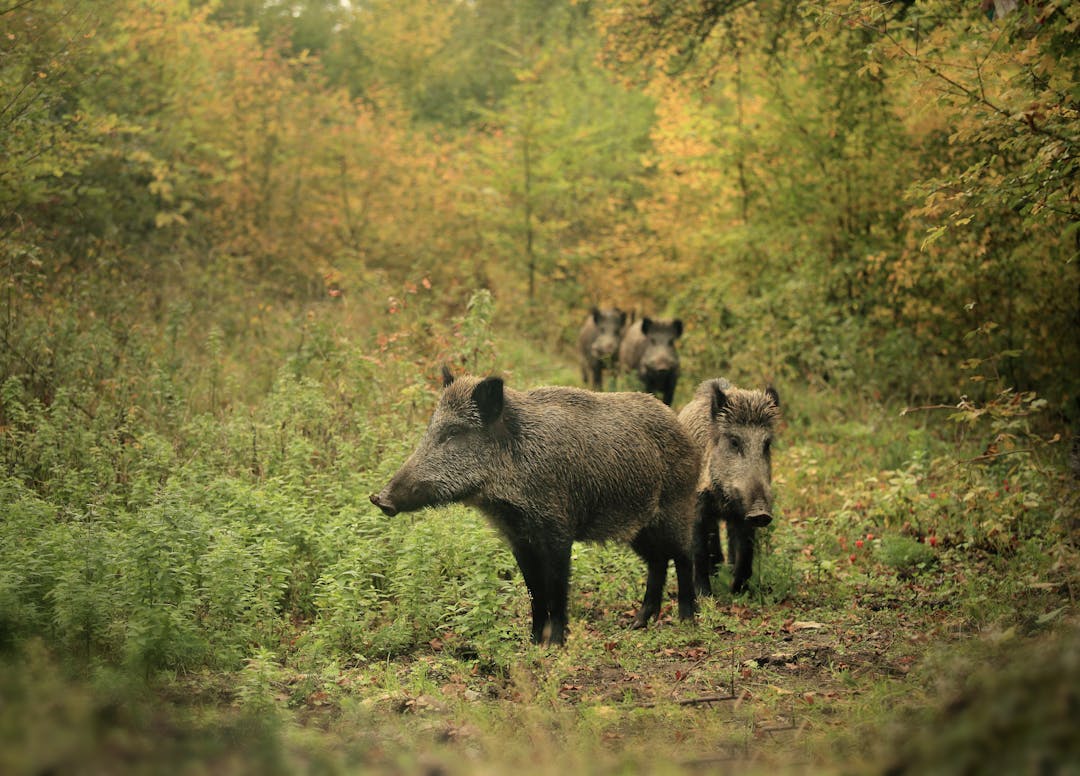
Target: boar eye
x,y
450,432
768,447
736,443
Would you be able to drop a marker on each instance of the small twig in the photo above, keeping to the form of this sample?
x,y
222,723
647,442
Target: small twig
x,y
703,700
991,456
702,762
732,690
693,665
906,410
777,728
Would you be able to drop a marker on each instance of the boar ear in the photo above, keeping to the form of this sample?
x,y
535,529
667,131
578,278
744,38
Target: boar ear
x,y
646,324
595,312
773,396
622,317
677,323
488,397
719,401
447,376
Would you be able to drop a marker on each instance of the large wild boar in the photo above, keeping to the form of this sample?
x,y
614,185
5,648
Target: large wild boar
x,y
734,430
598,344
555,465
648,350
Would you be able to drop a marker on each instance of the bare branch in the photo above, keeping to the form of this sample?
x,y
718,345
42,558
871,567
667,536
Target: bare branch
x,y
16,7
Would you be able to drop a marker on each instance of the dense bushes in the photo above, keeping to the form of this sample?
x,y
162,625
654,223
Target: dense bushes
x,y
192,537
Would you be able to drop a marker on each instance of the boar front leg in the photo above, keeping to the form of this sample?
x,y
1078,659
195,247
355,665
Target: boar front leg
x,y
684,572
532,569
547,575
668,389
741,550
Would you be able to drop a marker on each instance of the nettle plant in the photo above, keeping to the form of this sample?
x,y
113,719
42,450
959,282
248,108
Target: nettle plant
x,y
989,502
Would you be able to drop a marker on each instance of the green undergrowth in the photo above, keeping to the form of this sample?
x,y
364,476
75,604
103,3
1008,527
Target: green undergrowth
x,y
195,581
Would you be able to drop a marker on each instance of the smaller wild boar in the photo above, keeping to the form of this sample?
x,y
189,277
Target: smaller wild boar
x,y
648,350
598,344
734,429
556,465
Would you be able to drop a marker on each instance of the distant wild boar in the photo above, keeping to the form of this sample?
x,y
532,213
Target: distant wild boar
x,y
648,350
598,344
555,465
734,430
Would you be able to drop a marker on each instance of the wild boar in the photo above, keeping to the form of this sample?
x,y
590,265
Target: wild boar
x,y
598,344
648,350
555,465
734,430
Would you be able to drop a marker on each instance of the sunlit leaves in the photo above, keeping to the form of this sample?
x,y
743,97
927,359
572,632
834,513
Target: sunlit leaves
x,y
881,175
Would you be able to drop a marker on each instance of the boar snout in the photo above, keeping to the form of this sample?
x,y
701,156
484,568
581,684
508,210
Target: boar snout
x,y
604,349
759,513
383,502
757,505
660,363
759,519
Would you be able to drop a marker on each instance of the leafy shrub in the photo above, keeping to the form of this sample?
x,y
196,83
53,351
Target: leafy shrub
x,y
904,553
774,578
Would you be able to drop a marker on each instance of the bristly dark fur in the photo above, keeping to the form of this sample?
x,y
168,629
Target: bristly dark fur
x,y
743,407
750,408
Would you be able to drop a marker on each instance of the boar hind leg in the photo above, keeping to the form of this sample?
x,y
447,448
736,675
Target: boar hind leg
x,y
657,562
654,588
707,553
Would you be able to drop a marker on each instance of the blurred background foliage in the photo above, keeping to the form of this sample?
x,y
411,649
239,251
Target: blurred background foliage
x,y
835,192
